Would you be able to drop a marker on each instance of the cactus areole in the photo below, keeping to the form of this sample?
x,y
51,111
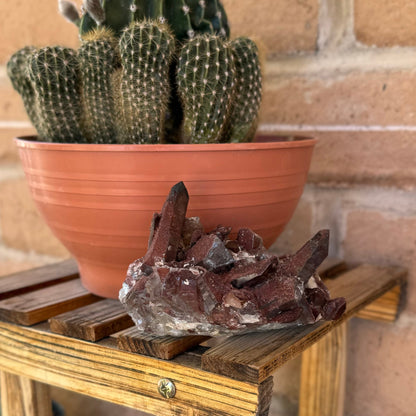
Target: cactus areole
x,y
146,72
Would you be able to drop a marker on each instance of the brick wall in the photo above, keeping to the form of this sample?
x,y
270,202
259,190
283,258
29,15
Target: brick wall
x,y
340,70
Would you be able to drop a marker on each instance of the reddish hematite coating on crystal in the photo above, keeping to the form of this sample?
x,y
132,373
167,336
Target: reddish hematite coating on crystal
x,y
192,282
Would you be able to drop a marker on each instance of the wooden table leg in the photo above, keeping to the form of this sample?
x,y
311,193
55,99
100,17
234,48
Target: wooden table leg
x,y
265,397
322,386
21,396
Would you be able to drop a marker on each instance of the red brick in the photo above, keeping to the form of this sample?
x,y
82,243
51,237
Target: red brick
x,y
282,26
384,239
363,98
376,158
35,23
385,22
381,369
11,105
8,150
22,227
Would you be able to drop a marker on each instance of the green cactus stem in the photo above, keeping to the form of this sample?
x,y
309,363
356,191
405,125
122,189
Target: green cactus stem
x,y
216,16
205,84
118,15
55,78
146,50
243,117
178,17
113,14
197,11
18,72
98,59
185,17
145,9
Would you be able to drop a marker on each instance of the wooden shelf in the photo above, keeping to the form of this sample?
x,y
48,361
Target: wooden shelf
x,y
54,332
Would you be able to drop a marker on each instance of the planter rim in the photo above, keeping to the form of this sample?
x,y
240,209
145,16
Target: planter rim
x,y
270,142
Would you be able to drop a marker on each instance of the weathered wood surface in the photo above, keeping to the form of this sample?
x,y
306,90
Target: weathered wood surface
x,y
21,396
265,397
121,377
255,356
40,305
323,373
92,322
29,280
104,371
384,309
161,347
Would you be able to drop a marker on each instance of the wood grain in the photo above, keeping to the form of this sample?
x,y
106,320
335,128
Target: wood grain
x,y
121,377
165,348
92,322
255,356
21,396
30,280
384,309
323,373
265,397
33,307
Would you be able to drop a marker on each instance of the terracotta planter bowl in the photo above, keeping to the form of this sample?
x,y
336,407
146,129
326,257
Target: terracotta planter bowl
x,y
99,199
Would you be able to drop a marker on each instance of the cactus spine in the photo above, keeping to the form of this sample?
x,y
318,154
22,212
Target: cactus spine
x,y
146,51
242,120
55,78
18,72
205,83
98,59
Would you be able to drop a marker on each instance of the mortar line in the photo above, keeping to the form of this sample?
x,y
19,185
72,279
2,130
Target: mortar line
x,y
333,63
271,127
15,124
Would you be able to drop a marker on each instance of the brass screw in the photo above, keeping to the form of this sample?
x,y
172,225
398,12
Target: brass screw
x,y
166,388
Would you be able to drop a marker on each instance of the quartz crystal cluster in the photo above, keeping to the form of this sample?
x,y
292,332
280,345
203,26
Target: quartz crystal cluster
x,y
192,282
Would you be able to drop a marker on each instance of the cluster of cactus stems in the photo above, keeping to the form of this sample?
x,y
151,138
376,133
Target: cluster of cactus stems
x,y
147,71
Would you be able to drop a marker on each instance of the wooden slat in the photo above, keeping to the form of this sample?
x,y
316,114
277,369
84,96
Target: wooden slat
x,y
383,309
255,356
121,377
323,373
165,348
92,322
29,280
21,396
42,304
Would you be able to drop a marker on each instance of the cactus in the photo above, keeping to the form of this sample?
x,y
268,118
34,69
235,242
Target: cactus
x,y
185,17
205,83
98,60
146,51
18,72
146,72
55,77
242,120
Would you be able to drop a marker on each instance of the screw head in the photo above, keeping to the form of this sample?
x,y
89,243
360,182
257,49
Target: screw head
x,y
166,388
